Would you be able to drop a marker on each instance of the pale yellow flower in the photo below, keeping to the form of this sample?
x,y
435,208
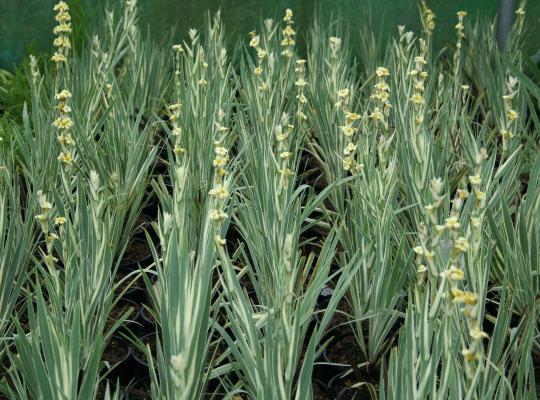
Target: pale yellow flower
x,y
58,58
452,222
178,150
285,155
351,148
469,355
63,95
62,41
61,7
288,31
343,93
219,192
175,107
286,172
60,220
377,114
512,115
66,158
219,240
351,117
217,215
461,244
301,99
477,334
348,130
288,15
455,274
63,123
382,71
417,99
475,180
62,28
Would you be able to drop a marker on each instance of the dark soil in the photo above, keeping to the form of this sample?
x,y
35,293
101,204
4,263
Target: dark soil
x,y
120,309
140,356
143,222
319,390
133,287
116,351
137,252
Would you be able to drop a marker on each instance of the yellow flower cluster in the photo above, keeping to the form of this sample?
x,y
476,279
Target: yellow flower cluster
x,y
255,42
219,192
176,130
381,96
283,131
469,301
460,29
510,115
301,84
480,200
204,66
174,109
419,77
520,16
349,130
178,50
425,251
45,219
428,18
63,124
288,33
62,30
454,273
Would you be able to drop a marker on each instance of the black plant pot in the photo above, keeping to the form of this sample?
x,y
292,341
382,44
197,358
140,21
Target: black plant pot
x,y
137,255
325,372
144,224
324,298
134,319
139,389
320,390
130,286
139,356
102,388
118,356
148,322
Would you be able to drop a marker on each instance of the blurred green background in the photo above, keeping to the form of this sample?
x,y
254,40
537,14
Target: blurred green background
x,y
26,25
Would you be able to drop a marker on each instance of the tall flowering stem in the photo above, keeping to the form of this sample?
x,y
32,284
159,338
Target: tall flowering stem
x,y
460,33
219,192
428,19
508,121
62,31
348,130
288,33
63,123
174,109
